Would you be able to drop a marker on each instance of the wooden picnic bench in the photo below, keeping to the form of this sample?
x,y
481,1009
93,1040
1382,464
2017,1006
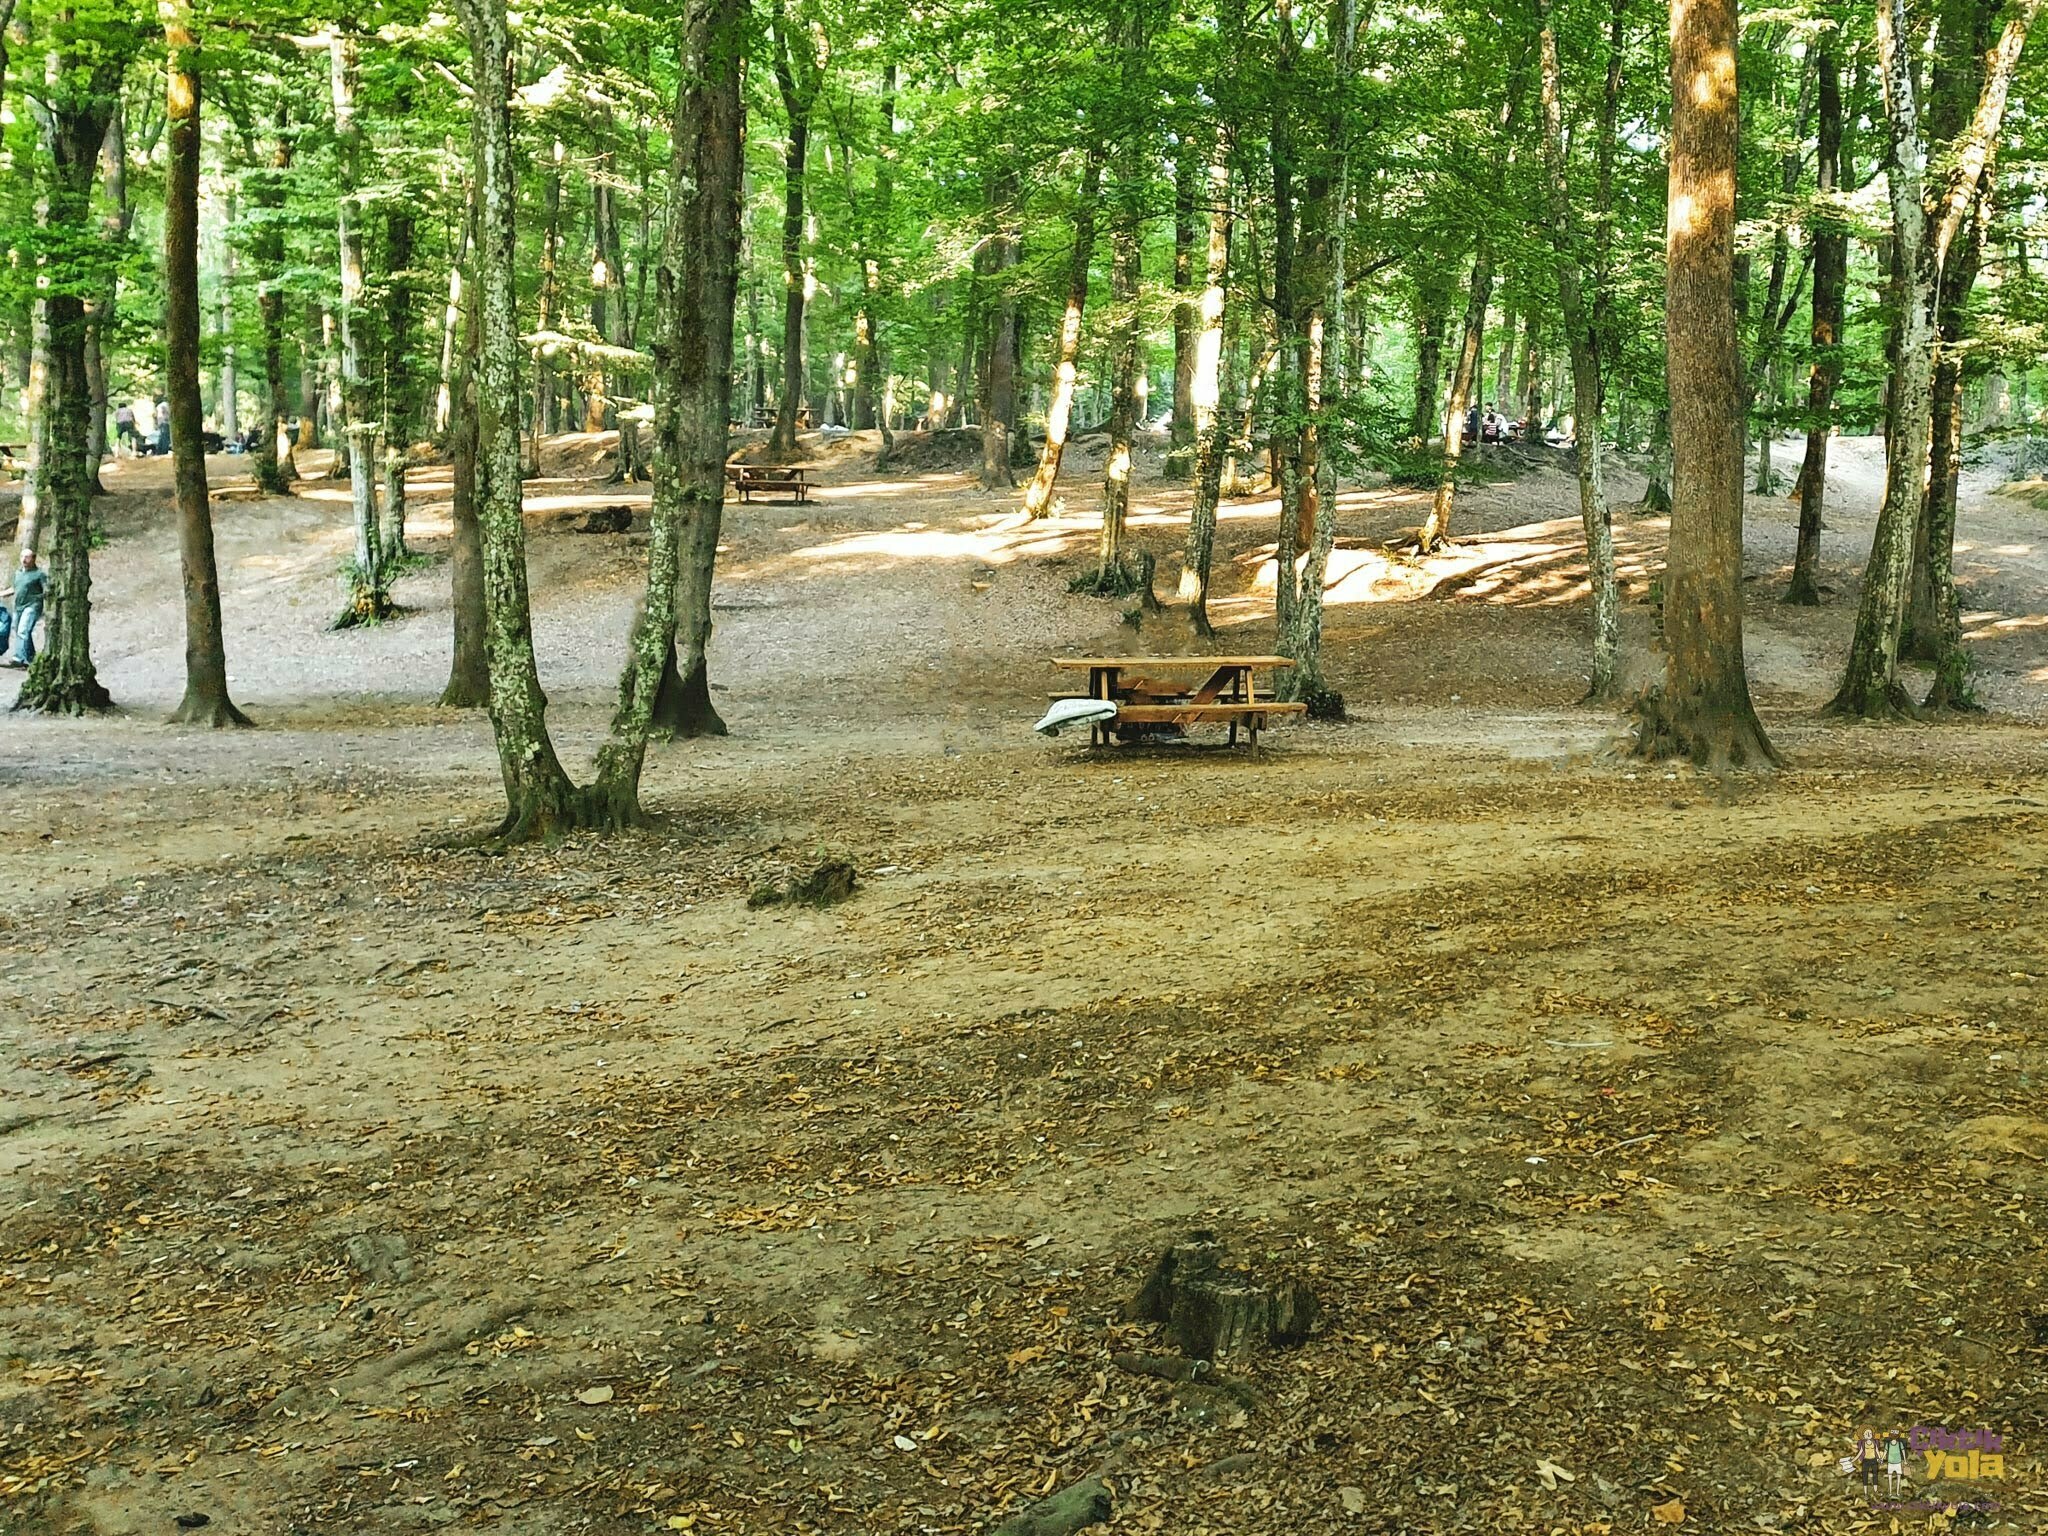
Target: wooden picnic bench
x,y
752,480
1145,706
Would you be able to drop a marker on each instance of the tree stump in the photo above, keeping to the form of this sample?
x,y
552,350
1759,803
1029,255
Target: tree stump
x,y
821,883
1073,1508
1215,1312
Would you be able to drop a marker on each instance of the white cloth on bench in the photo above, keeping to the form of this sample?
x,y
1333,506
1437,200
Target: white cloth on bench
x,y
1066,712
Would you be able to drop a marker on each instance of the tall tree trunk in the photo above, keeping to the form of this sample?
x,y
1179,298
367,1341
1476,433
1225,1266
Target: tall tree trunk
x,y
78,100
1322,276
312,352
368,602
1180,451
1830,285
1436,532
276,462
544,423
1112,577
1942,622
999,397
872,369
1059,411
206,700
451,318
1703,711
1432,314
100,311
401,413
1207,393
667,689
469,669
1584,345
540,799
798,70
1920,254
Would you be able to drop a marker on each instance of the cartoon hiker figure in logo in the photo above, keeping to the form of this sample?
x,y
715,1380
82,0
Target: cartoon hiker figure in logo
x,y
1867,1458
1894,1461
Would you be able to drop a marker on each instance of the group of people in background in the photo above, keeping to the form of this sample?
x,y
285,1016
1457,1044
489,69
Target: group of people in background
x,y
143,428
1484,424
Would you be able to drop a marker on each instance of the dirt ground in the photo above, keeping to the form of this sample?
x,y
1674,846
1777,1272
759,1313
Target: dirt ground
x,y
1643,1137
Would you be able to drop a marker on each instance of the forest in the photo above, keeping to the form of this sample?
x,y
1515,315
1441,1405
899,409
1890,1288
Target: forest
x,y
550,985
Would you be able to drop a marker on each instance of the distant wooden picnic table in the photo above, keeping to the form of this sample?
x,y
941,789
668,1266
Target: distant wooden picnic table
x,y
751,480
1152,693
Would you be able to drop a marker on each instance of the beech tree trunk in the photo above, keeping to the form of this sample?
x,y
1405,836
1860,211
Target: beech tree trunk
x,y
1206,391
798,70
469,672
1940,618
368,601
100,312
1703,711
540,799
1921,249
401,413
1059,411
1320,279
1436,532
1180,449
1112,577
78,100
1432,313
1584,345
206,700
667,689
999,395
1830,285
274,460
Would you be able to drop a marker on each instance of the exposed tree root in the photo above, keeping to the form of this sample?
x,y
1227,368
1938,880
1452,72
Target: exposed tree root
x,y
1888,704
1114,579
1804,592
44,692
682,706
217,713
1713,735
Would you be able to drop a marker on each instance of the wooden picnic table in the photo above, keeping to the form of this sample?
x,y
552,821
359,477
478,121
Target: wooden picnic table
x,y
1229,693
752,480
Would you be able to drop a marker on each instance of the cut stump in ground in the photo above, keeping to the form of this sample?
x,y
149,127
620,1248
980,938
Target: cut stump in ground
x,y
821,883
1215,1312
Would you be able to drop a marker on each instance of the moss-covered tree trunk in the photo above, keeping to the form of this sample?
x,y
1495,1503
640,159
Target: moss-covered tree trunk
x,y
1432,314
666,686
540,799
1060,410
206,700
100,312
1703,711
81,86
1937,614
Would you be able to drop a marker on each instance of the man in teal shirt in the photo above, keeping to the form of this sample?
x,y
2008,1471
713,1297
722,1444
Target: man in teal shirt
x,y
30,583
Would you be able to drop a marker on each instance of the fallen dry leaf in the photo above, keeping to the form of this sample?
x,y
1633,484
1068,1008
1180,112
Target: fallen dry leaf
x,y
1671,1512
592,1396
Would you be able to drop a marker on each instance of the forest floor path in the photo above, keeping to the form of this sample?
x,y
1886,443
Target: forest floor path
x,y
1645,1136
